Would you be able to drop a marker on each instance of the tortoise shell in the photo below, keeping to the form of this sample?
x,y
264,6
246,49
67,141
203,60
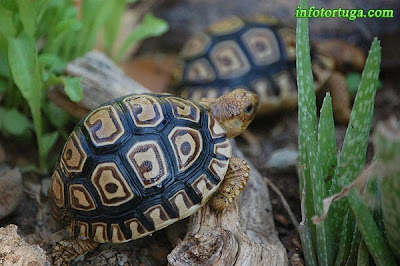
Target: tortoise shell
x,y
136,165
257,54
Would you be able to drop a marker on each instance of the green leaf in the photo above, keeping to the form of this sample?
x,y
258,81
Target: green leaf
x,y
61,32
3,86
48,141
387,147
2,110
346,237
307,244
363,255
69,12
369,230
355,244
327,142
27,14
22,56
4,65
308,146
111,28
6,21
149,27
14,122
94,14
54,12
43,6
57,116
72,87
353,155
52,62
10,5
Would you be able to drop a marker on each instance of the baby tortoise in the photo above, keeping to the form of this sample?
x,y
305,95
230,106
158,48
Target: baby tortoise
x,y
141,162
259,54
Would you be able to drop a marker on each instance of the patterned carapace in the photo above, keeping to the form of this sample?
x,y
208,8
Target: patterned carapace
x,y
137,164
257,54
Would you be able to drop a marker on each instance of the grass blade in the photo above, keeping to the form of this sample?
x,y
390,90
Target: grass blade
x,y
111,28
94,14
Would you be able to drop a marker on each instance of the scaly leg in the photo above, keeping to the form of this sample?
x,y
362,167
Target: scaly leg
x,y
66,251
233,184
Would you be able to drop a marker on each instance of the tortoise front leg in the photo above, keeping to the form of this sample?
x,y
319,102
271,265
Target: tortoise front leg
x,y
66,251
233,184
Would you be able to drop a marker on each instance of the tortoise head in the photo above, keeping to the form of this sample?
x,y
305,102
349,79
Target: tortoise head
x,y
235,110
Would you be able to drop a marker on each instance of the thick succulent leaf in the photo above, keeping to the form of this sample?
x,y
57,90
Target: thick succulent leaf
x,y
387,145
308,146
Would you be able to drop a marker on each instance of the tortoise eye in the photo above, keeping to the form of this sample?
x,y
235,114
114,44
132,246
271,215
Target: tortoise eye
x,y
249,108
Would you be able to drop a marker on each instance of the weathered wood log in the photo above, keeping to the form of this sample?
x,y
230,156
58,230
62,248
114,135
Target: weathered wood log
x,y
244,234
102,81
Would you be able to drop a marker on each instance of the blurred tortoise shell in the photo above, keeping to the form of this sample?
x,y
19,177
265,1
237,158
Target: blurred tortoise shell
x,y
136,165
257,54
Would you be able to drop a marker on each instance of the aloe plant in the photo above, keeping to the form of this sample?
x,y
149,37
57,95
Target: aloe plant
x,y
349,234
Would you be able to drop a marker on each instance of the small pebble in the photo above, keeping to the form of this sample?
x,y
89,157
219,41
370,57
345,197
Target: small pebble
x,y
108,254
283,161
122,258
45,184
10,191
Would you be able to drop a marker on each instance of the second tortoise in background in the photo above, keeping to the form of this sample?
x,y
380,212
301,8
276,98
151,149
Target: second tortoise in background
x,y
258,54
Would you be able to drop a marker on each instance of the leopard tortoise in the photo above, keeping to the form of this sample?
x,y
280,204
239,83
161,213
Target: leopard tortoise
x,y
258,54
141,162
